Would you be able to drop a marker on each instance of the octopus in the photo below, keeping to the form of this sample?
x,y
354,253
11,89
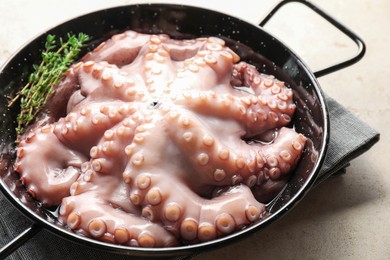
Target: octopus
x,y
159,142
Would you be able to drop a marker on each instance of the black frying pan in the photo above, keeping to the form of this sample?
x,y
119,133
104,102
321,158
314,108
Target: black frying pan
x,y
255,46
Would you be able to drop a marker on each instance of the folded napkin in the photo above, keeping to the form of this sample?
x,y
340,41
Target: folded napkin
x,y
349,137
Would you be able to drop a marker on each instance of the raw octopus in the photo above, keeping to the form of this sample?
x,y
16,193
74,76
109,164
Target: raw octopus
x,y
155,142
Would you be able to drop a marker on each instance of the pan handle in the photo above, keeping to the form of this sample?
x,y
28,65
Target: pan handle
x,y
359,42
19,240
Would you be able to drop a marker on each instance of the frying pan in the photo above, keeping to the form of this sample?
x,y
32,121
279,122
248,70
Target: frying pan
x,y
250,41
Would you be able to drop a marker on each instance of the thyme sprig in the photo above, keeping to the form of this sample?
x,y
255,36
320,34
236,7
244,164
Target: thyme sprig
x,y
56,59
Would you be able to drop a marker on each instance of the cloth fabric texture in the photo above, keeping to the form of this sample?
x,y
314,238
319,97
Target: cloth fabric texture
x,y
349,138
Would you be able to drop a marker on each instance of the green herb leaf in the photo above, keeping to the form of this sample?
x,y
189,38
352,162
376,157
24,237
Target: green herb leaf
x,y
56,59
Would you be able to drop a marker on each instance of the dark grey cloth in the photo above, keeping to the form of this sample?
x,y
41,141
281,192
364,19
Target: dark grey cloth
x,y
349,137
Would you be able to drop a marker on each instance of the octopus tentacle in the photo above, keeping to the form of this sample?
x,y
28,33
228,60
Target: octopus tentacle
x,y
219,162
270,106
275,99
156,66
116,146
256,114
98,219
121,49
213,61
75,129
107,216
46,170
246,75
190,217
107,80
180,50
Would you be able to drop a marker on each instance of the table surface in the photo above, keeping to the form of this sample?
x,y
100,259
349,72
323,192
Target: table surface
x,y
346,217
